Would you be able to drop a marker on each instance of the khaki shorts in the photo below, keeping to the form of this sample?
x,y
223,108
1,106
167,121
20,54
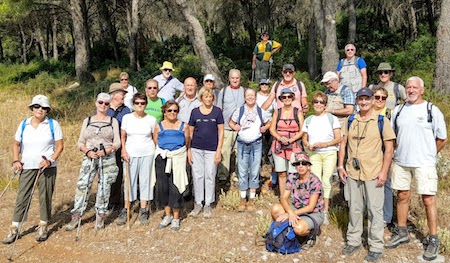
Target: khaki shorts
x,y
426,178
283,165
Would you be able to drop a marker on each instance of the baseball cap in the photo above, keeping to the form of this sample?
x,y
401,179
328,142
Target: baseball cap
x,y
288,67
330,75
209,77
364,92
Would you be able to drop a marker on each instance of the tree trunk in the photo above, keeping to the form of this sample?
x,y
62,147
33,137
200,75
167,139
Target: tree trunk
x,y
412,20
249,10
312,49
442,71
23,40
133,27
55,37
351,21
197,37
81,39
40,39
319,17
330,54
1,50
431,17
111,31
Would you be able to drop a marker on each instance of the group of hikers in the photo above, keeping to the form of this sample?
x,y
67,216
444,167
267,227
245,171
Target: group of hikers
x,y
150,146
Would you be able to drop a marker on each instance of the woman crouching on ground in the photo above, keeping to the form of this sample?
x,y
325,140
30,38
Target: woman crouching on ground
x,y
38,137
303,195
99,139
169,174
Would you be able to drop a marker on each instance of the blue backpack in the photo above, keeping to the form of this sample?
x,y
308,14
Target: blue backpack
x,y
52,130
282,239
241,113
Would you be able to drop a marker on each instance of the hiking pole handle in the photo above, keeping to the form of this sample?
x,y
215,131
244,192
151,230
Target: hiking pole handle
x,y
102,148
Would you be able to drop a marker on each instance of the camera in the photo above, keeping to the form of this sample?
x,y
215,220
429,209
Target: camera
x,y
356,164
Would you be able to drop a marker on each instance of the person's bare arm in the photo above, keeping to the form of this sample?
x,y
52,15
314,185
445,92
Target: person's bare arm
x,y
268,102
440,143
348,110
364,77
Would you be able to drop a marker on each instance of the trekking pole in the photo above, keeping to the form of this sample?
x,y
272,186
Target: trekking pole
x,y
16,172
26,210
100,182
127,195
85,196
270,66
253,75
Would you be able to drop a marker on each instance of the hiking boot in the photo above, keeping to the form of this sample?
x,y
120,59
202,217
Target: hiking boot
x,y
166,221
175,225
242,204
432,250
251,205
399,237
196,211
143,217
207,211
122,218
99,221
12,234
73,223
326,219
373,256
42,233
348,250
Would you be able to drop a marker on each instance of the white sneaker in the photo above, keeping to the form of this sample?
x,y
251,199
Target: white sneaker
x,y
326,220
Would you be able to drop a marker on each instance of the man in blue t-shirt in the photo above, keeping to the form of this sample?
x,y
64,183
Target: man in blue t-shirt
x,y
352,70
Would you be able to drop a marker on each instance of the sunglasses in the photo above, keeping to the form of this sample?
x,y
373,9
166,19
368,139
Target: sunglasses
x,y
209,80
288,72
320,102
170,110
123,79
350,49
377,97
37,106
287,97
385,72
152,87
101,102
143,103
303,163
167,69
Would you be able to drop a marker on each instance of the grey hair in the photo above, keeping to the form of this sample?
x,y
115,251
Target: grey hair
x,y
234,71
422,84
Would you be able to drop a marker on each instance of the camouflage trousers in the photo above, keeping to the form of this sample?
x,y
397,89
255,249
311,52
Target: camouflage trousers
x,y
107,173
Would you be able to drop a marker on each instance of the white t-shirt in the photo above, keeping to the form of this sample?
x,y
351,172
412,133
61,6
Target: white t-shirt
x,y
37,142
128,100
250,124
320,130
139,135
260,99
416,137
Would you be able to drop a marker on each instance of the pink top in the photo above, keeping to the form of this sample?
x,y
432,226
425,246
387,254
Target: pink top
x,y
297,102
287,128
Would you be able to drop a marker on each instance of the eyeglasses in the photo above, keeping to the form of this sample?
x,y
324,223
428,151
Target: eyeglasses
x,y
167,69
288,72
37,106
209,80
377,97
123,79
152,87
302,163
385,72
170,110
140,103
287,97
350,49
101,102
320,102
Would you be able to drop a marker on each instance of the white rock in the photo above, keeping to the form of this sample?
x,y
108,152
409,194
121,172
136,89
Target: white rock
x,y
296,260
241,232
244,248
227,259
264,257
242,224
259,212
330,255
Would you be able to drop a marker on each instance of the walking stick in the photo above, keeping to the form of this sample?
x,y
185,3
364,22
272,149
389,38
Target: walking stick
x,y
270,66
253,75
127,195
85,196
100,182
26,210
16,172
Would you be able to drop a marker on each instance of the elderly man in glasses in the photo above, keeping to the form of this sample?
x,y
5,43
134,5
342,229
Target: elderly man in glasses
x,y
396,92
168,84
154,103
352,70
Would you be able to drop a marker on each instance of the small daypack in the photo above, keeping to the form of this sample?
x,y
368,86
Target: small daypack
x,y
295,118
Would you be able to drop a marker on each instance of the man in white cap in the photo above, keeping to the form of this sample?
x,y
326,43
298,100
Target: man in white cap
x,y
167,83
208,82
341,99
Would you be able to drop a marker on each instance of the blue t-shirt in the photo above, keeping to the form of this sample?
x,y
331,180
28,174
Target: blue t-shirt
x,y
206,132
360,61
171,139
118,113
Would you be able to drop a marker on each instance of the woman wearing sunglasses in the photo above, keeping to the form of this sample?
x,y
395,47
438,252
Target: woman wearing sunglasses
x,y
303,195
138,151
286,131
169,175
322,132
36,137
99,139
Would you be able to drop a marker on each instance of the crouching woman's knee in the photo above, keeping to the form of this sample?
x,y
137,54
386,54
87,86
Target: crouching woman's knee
x,y
301,229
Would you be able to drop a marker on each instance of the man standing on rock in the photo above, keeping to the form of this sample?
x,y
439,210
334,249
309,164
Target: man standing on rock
x,y
421,134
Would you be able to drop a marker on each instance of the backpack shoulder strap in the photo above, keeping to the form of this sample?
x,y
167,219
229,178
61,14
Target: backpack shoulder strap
x,y
296,117
259,110
163,101
277,84
241,113
160,126
430,116
350,120
89,121
396,117
330,119
356,61
278,117
396,93
22,127
223,96
300,88
52,131
308,120
181,126
315,231
119,110
381,125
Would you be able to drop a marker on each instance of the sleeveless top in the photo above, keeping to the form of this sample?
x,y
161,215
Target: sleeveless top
x,y
287,128
350,74
171,139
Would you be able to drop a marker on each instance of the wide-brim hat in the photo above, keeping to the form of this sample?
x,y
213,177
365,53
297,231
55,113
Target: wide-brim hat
x,y
116,87
385,66
167,65
40,100
300,157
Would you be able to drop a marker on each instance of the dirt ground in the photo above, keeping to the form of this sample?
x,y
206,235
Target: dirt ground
x,y
228,236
